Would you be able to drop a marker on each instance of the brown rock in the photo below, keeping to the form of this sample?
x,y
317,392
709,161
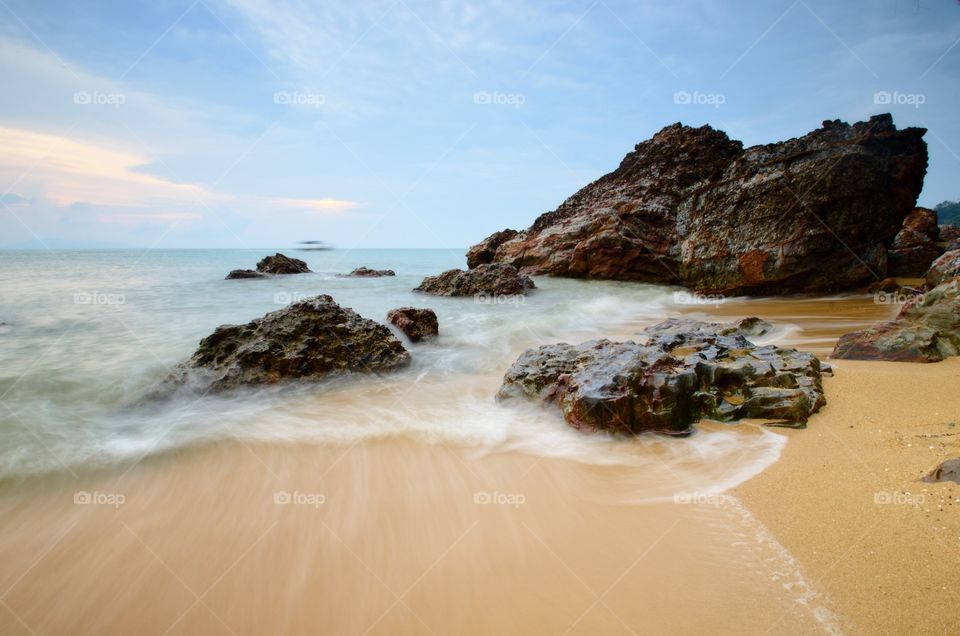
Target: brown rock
x,y
279,264
366,272
692,207
487,280
417,324
944,268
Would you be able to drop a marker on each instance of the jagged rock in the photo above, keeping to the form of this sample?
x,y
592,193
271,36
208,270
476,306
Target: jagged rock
x,y
915,245
947,471
489,280
692,207
306,341
239,274
927,329
417,324
685,370
280,264
944,268
885,286
366,272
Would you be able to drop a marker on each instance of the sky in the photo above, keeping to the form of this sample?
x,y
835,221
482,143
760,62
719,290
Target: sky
x,y
407,123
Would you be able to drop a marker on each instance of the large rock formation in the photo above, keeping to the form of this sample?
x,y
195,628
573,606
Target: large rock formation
x,y
684,371
483,280
308,340
915,245
926,330
692,207
416,323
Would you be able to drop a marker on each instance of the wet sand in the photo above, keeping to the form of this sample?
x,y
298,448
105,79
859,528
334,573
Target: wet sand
x,y
397,536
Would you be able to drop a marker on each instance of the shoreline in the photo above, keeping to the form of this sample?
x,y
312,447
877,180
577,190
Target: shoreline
x,y
846,501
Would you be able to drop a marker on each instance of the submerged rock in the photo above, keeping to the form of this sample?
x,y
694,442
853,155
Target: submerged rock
x,y
240,274
490,280
944,268
280,264
926,330
366,272
416,323
693,207
684,370
306,341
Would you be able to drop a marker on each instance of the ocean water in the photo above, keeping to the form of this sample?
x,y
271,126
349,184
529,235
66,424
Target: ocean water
x,y
85,334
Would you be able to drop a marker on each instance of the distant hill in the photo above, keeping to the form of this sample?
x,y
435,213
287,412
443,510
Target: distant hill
x,y
948,212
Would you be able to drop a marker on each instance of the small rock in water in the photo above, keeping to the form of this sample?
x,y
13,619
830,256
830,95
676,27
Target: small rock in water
x,y
488,280
240,274
280,264
417,324
686,370
366,272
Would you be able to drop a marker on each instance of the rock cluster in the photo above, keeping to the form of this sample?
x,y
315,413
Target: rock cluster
x,y
488,280
416,323
306,341
683,371
275,265
692,207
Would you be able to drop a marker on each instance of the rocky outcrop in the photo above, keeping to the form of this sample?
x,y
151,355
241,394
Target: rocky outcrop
x,y
683,371
486,280
416,323
366,272
915,245
944,268
692,207
306,341
240,274
279,264
949,233
927,329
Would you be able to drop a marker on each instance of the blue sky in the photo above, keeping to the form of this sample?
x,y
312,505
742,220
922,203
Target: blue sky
x,y
401,123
